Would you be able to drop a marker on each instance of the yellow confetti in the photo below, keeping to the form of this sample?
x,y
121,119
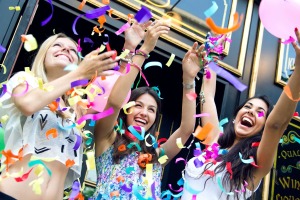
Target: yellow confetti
x,y
39,169
4,118
102,47
179,143
42,87
4,68
163,159
36,185
80,126
17,8
149,177
90,162
124,53
170,60
30,43
73,100
128,105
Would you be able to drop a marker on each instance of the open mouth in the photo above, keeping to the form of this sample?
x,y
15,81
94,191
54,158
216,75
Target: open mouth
x,y
246,122
140,122
65,56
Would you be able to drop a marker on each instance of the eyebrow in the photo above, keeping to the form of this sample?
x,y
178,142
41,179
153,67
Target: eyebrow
x,y
258,107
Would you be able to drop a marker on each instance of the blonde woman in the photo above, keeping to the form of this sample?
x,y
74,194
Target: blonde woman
x,y
35,136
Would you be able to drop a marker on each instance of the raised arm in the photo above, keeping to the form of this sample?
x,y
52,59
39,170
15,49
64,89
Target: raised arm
x,y
104,134
86,69
279,119
190,68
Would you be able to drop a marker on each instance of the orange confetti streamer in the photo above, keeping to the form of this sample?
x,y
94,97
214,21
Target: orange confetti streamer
x,y
202,132
209,172
218,30
53,106
115,194
288,92
122,147
79,196
130,16
23,38
101,20
52,132
70,163
110,12
10,158
106,2
81,4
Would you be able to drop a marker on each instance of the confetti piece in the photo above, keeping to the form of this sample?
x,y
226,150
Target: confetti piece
x,y
2,49
82,4
88,40
255,144
210,11
296,114
101,20
16,8
218,30
95,13
16,95
156,89
170,60
129,170
229,169
30,44
202,115
52,132
179,143
163,159
43,23
133,131
71,67
222,122
128,106
221,187
110,12
226,75
130,145
70,163
202,132
4,68
40,162
261,114
288,41
90,162
152,64
143,15
24,176
123,28
98,116
81,82
122,147
36,185
75,189
78,142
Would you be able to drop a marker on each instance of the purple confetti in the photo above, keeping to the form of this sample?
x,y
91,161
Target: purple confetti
x,y
143,15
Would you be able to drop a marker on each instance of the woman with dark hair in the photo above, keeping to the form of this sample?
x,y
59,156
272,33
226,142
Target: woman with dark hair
x,y
248,145
128,158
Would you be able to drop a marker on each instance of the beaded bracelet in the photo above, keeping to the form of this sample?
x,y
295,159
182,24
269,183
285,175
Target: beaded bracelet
x,y
142,53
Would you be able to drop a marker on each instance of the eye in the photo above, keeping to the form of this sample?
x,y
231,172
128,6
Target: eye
x,y
138,105
247,106
57,45
74,50
152,110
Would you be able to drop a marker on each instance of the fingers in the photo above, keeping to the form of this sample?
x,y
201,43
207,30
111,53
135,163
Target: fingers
x,y
295,44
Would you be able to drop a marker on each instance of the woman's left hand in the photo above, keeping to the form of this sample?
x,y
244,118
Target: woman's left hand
x,y
135,34
191,62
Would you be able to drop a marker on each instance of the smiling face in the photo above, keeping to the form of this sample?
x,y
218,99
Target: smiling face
x,y
143,113
60,54
251,118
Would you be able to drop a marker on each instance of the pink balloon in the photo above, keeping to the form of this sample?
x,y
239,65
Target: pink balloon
x,y
280,17
101,100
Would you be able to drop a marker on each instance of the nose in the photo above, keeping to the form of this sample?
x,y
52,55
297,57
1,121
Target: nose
x,y
65,49
143,112
250,112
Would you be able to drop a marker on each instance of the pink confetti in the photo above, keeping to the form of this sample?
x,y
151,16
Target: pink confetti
x,y
191,96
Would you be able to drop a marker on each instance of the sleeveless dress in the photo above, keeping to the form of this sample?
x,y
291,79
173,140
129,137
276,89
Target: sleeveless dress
x,y
135,180
44,135
207,187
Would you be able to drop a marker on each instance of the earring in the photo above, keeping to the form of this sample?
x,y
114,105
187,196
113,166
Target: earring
x,y
233,121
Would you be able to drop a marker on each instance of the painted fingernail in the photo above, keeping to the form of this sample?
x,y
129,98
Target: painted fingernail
x,y
296,29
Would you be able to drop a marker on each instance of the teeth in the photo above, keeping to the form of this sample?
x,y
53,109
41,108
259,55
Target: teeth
x,y
141,121
248,120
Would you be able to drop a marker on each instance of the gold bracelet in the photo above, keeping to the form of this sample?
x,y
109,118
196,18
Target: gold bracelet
x,y
189,85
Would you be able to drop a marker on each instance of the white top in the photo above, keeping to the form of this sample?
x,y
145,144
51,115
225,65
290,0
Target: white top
x,y
37,133
205,186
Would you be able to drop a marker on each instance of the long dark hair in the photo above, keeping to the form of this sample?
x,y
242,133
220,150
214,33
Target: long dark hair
x,y
123,139
240,171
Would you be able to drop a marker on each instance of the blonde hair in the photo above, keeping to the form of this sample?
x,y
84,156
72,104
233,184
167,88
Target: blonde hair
x,y
38,67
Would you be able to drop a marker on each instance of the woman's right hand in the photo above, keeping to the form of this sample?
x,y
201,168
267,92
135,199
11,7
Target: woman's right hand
x,y
155,30
97,63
